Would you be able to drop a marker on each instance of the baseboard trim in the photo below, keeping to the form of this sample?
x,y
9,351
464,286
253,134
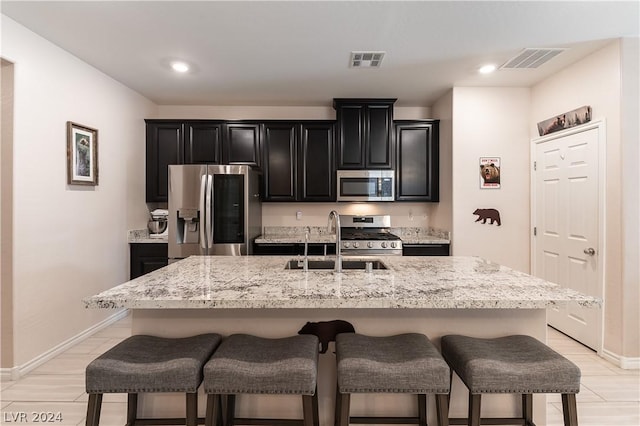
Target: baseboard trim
x,y
626,363
17,372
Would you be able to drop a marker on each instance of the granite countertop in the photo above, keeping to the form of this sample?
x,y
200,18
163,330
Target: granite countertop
x,y
261,282
317,234
139,236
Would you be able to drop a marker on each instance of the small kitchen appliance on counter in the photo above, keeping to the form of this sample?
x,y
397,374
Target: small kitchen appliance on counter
x,y
158,224
368,235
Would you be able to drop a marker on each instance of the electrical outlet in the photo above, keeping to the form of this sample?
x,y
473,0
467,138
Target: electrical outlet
x,y
298,215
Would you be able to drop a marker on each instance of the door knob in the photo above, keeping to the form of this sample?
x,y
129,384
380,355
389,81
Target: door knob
x,y
589,251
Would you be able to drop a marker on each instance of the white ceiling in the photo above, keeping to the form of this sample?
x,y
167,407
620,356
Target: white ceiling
x,y
297,53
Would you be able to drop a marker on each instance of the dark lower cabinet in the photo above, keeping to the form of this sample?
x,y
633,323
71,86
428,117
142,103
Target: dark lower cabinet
x,y
298,161
146,257
417,160
425,249
294,249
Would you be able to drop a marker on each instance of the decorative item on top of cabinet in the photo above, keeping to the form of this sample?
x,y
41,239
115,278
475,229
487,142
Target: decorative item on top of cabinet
x,y
417,160
364,133
298,161
242,143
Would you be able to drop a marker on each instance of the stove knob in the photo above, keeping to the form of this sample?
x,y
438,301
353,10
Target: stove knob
x,y
384,244
356,245
345,245
370,244
393,244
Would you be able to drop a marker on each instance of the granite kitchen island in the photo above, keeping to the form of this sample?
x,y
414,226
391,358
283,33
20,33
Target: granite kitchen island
x,y
257,295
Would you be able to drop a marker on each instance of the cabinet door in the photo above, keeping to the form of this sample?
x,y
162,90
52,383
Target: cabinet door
x,y
147,257
379,120
417,161
280,161
164,146
242,144
316,171
203,143
351,136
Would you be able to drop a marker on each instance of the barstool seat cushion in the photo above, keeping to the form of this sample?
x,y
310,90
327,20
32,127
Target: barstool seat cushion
x,y
511,364
404,363
256,365
152,364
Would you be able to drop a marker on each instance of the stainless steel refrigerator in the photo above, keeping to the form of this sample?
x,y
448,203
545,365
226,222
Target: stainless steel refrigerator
x,y
213,210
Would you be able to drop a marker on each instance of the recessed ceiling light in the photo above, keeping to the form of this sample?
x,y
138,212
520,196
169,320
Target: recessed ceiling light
x,y
178,66
487,69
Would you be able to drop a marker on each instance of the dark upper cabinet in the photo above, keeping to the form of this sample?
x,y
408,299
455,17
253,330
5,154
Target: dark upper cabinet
x,y
203,142
364,133
241,144
298,161
417,160
280,163
316,163
164,146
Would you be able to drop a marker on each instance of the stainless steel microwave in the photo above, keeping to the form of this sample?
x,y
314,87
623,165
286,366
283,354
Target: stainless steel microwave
x,y
366,185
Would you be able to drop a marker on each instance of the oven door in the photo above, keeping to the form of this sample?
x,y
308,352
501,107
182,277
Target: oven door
x,y
365,185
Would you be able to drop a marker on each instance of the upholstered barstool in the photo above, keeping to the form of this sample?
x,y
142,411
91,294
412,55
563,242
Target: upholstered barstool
x,y
245,364
149,364
512,364
405,363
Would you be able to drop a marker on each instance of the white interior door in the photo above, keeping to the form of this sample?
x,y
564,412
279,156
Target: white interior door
x,y
566,247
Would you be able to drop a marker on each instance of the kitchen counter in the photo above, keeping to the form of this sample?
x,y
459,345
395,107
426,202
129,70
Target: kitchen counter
x,y
295,235
250,282
256,295
142,236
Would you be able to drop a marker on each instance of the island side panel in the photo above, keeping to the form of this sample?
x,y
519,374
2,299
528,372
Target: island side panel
x,y
377,322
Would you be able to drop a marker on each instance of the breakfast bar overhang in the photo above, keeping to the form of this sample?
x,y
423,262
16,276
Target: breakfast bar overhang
x,y
257,295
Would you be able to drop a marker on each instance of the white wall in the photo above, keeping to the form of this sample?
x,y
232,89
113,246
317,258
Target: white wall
x,y
442,212
69,241
491,122
595,81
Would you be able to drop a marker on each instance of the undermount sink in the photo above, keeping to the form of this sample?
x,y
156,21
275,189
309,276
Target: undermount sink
x,y
330,264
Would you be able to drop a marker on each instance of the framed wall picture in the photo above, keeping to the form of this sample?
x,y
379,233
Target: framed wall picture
x,y
490,172
82,154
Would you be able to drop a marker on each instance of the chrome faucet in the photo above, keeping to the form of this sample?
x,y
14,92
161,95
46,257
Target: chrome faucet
x,y
306,248
334,215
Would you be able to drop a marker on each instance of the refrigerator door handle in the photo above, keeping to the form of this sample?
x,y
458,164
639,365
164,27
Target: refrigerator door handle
x,y
203,211
209,215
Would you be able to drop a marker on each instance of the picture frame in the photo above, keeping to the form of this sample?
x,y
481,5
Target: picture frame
x,y
490,172
82,154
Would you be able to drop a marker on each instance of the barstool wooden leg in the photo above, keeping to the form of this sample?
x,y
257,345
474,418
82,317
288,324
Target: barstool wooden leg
x,y
214,411
231,410
442,409
569,409
316,418
192,409
474,409
343,414
93,409
422,409
527,409
307,410
132,408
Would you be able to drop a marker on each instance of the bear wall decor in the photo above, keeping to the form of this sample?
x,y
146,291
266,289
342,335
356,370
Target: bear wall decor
x,y
491,214
327,331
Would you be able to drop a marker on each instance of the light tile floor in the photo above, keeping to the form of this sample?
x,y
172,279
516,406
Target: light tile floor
x,y
609,396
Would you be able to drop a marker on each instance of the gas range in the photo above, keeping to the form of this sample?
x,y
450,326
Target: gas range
x,y
368,235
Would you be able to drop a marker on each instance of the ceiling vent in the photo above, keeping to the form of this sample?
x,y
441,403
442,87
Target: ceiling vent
x,y
533,58
366,59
